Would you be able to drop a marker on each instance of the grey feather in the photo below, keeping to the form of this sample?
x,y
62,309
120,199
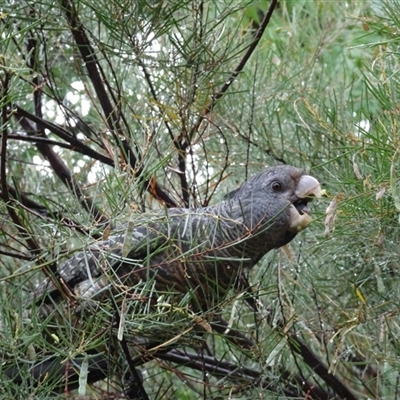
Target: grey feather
x,y
186,249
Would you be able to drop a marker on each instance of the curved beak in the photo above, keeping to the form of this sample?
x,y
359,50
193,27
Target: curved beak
x,y
307,189
308,186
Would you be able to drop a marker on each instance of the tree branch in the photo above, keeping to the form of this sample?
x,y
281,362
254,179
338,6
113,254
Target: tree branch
x,y
219,94
32,243
43,124
62,171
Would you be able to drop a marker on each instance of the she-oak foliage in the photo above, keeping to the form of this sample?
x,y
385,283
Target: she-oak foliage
x,y
111,108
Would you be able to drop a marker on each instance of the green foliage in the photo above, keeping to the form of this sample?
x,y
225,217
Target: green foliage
x,y
107,108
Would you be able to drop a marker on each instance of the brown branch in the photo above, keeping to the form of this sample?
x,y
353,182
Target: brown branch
x,y
76,144
57,367
99,369
64,221
16,255
257,36
313,361
318,366
241,340
238,374
136,391
208,196
309,357
159,192
32,244
243,61
64,174
182,176
238,338
57,164
91,63
39,139
93,67
178,143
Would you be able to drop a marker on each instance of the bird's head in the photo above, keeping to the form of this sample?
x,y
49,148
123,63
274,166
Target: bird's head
x,y
274,203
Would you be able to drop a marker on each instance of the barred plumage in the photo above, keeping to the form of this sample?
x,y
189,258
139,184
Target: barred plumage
x,y
203,250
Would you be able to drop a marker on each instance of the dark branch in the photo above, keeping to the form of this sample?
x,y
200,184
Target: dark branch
x,y
32,244
239,374
76,144
91,63
62,171
243,61
219,94
318,366
16,255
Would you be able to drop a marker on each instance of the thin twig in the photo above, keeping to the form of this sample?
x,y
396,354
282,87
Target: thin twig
x,y
65,175
139,392
312,360
32,244
220,93
76,144
18,256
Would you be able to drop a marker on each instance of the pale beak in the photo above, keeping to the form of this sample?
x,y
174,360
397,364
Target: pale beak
x,y
307,189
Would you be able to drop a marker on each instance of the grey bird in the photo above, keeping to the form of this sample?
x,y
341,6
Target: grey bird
x,y
202,250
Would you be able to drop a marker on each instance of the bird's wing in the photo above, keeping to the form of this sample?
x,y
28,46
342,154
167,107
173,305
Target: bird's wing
x,y
85,274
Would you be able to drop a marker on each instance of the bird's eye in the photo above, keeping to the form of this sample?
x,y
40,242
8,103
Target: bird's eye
x,y
276,186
